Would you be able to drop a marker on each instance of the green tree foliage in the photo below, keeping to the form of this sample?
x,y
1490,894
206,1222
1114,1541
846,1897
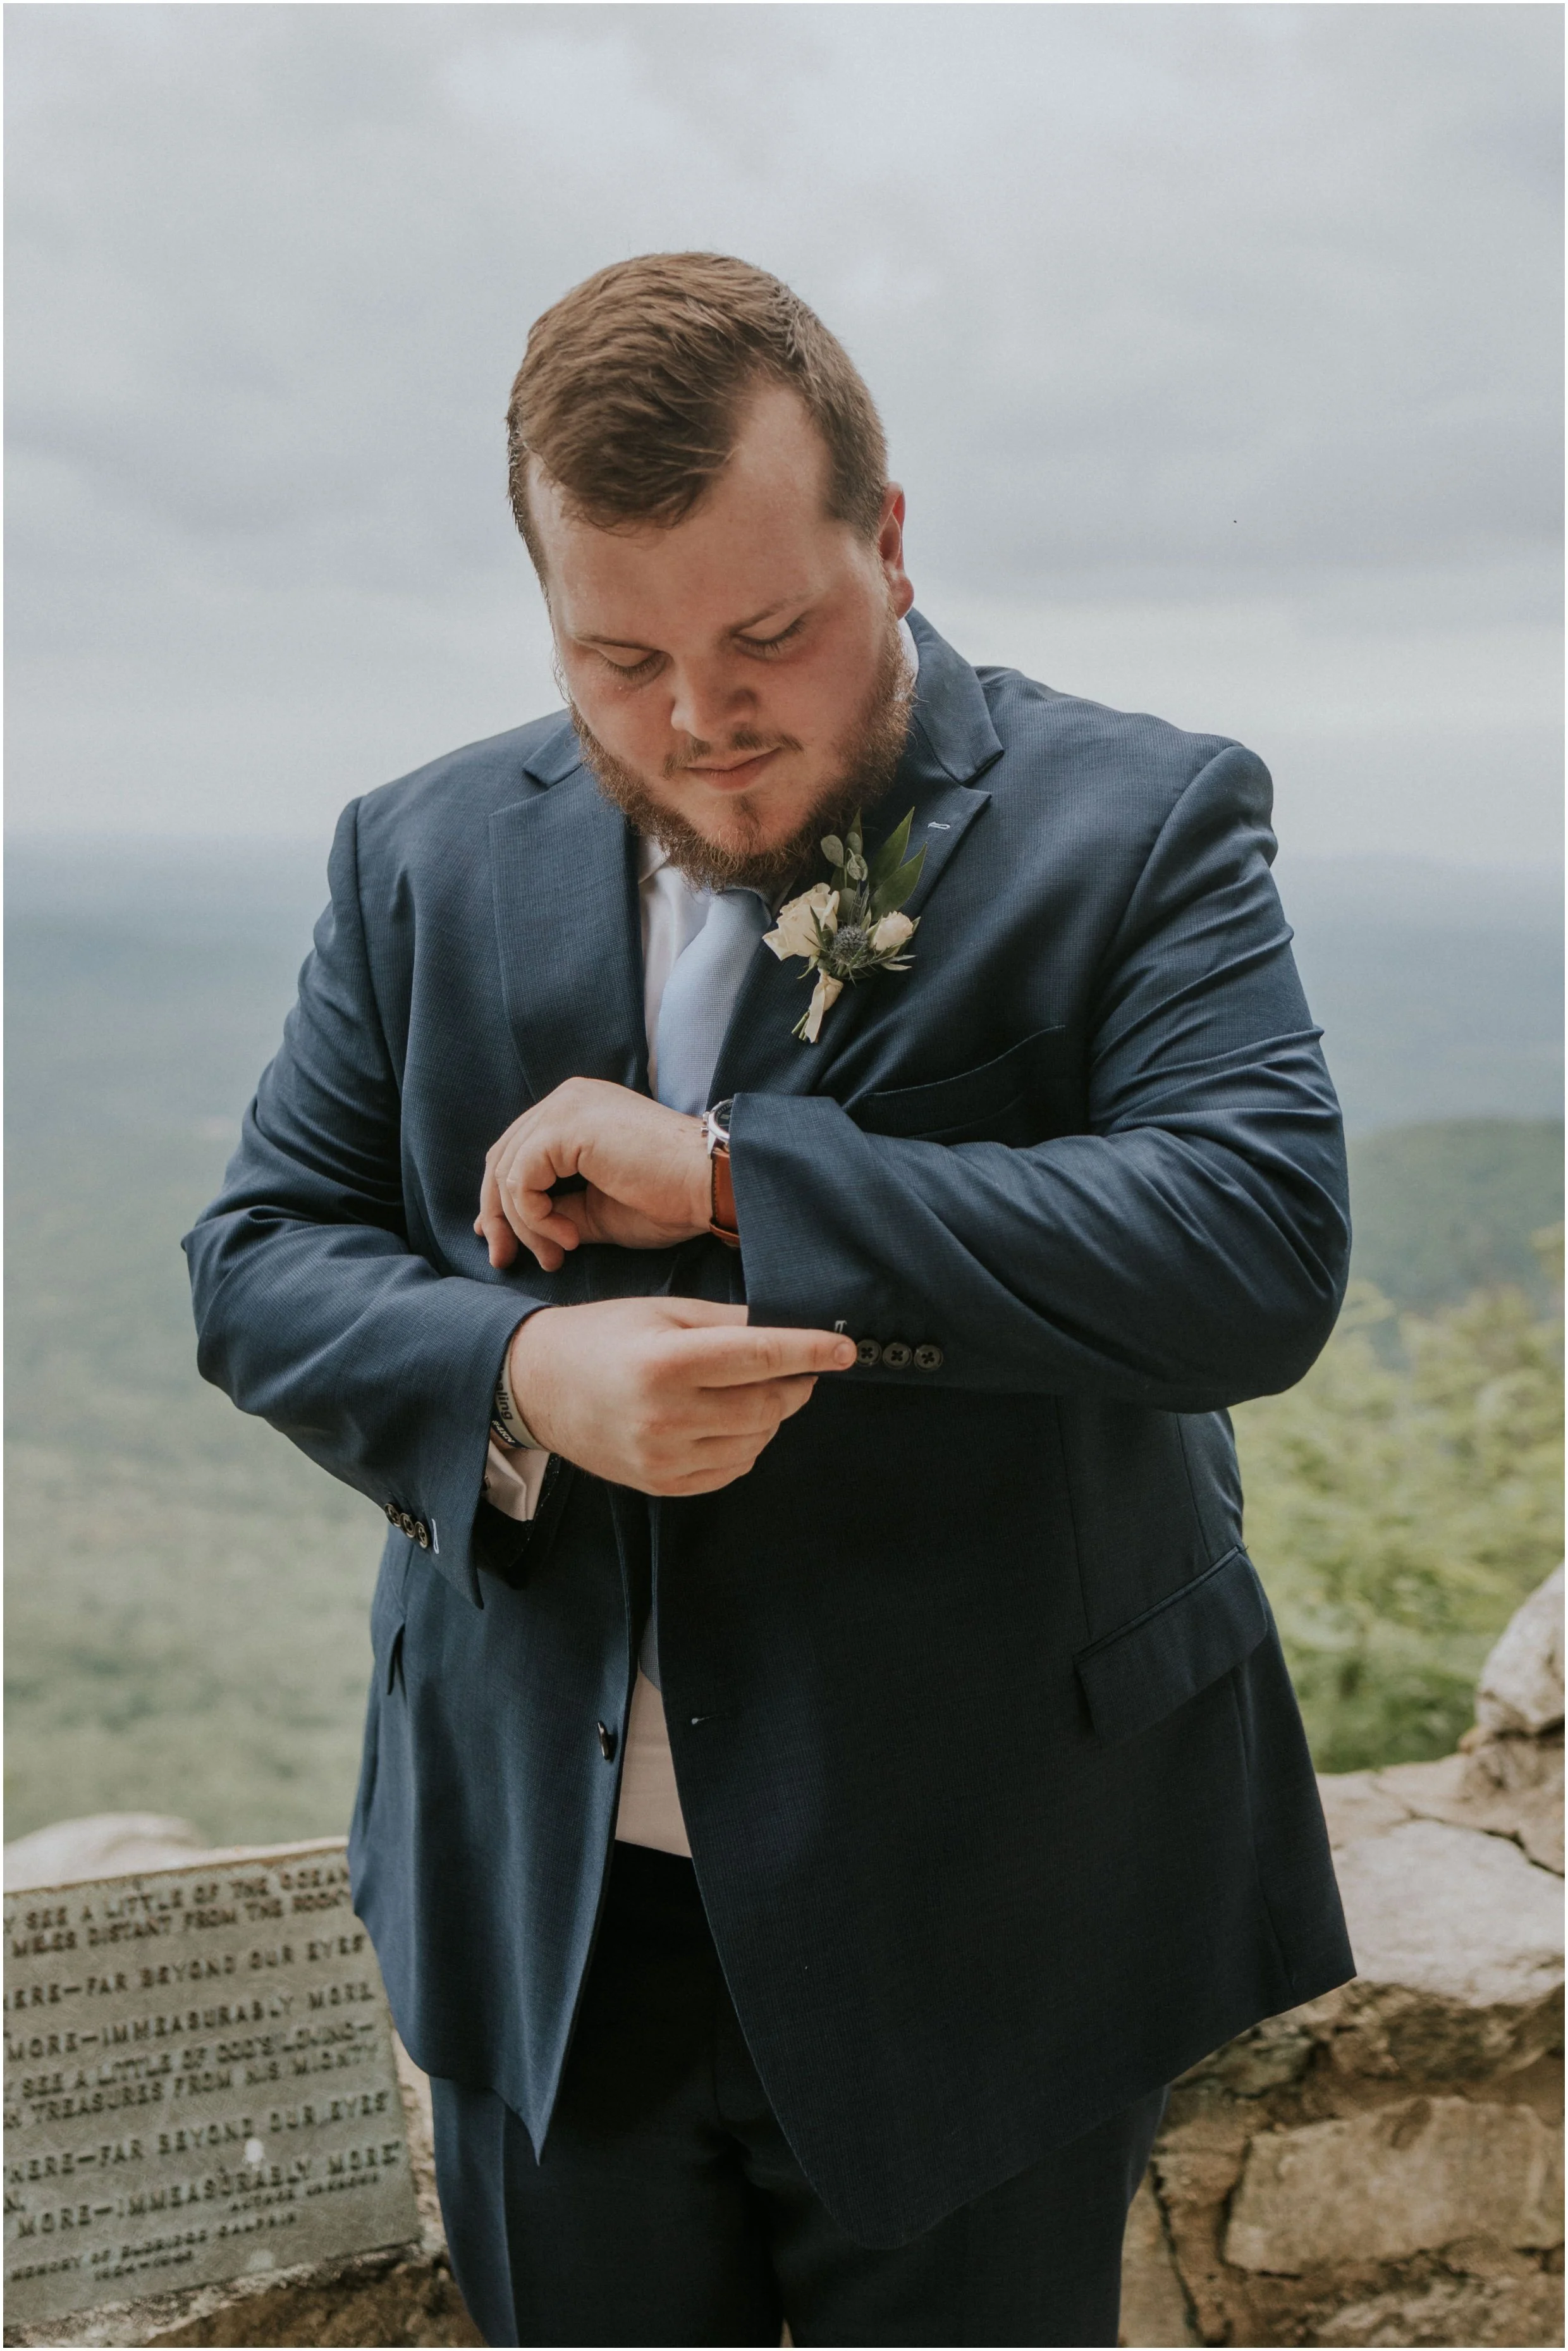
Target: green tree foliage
x,y
1442,1209
1401,1502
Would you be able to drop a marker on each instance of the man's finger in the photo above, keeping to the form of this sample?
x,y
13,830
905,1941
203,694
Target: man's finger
x,y
699,1313
533,1215
490,1205
753,1410
498,1219
527,1200
499,1239
492,1222
721,1359
709,1479
791,1395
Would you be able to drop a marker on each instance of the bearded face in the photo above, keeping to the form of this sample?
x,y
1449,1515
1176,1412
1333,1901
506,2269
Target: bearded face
x,y
736,677
862,769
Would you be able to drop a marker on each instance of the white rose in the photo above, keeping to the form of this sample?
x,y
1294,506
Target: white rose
x,y
891,934
826,993
797,931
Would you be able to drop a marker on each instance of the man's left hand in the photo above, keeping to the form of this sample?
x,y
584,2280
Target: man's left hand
x,y
646,1168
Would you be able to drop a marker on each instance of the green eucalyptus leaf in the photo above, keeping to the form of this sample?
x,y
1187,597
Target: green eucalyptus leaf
x,y
898,886
832,849
889,856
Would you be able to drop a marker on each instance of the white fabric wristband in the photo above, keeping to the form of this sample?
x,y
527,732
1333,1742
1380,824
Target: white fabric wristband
x,y
508,1421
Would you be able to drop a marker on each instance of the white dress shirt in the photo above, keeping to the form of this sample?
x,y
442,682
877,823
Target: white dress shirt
x,y
673,913
650,1811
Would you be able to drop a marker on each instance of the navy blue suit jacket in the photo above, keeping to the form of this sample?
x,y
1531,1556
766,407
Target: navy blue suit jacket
x,y
995,1786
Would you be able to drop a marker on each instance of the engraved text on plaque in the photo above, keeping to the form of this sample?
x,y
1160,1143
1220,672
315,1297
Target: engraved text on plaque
x,y
199,2081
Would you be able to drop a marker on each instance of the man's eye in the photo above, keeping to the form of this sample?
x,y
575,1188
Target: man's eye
x,y
644,668
766,645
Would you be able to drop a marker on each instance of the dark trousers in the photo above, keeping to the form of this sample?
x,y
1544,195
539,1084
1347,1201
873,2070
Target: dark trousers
x,y
668,2208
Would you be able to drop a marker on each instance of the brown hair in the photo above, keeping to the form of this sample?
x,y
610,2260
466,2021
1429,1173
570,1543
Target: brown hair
x,y
630,393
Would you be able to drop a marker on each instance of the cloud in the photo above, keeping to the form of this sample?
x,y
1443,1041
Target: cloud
x,y
1166,309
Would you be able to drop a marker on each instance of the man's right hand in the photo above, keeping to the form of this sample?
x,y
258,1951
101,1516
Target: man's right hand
x,y
670,1396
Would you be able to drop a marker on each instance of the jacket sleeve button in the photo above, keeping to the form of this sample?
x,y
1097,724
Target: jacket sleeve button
x,y
390,1509
897,1356
405,1521
606,1742
928,1358
868,1352
422,1534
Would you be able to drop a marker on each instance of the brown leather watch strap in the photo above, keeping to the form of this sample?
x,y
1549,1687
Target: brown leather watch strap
x,y
724,1224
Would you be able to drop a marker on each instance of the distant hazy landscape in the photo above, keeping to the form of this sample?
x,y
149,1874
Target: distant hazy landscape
x,y
186,1595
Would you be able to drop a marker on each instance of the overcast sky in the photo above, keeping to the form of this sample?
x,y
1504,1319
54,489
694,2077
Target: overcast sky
x,y
1218,348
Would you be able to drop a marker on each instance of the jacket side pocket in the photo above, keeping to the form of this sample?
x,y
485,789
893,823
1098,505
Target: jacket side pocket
x,y
1134,1676
388,1609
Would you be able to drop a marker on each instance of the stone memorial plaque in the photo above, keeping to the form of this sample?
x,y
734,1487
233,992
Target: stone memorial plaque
x,y
199,2081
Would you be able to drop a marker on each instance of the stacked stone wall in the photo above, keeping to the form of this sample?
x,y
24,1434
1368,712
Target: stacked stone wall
x,y
1384,2166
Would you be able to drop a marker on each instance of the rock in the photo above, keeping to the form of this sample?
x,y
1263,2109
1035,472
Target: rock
x,y
1382,2186
1451,2310
1196,2163
404,2294
1429,1791
1155,2313
104,1844
1508,1786
1357,1804
124,1844
403,2297
421,2124
1272,2054
1452,1912
405,2303
1484,2257
377,2299
1521,1688
1515,1786
1507,1778
1459,1944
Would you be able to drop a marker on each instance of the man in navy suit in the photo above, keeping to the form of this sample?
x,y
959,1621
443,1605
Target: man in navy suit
x,y
830,1760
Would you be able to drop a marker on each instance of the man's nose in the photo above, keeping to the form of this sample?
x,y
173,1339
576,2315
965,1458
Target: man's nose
x,y
708,705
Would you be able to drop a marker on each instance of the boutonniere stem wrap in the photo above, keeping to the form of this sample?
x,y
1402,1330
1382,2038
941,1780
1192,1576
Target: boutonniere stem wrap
x,y
851,926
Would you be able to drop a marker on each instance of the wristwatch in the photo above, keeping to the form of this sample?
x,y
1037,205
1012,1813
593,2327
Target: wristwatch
x,y
723,1223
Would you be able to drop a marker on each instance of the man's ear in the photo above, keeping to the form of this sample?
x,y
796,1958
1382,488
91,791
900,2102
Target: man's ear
x,y
889,549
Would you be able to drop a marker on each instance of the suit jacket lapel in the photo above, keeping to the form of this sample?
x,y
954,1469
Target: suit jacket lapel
x,y
568,924
951,743
569,929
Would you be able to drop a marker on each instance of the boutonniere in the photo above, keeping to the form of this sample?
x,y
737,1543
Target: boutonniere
x,y
851,926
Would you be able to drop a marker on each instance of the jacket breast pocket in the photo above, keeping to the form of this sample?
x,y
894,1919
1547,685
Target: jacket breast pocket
x,y
1134,1676
1029,1092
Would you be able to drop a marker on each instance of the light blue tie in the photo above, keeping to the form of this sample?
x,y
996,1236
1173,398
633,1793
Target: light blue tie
x,y
699,997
